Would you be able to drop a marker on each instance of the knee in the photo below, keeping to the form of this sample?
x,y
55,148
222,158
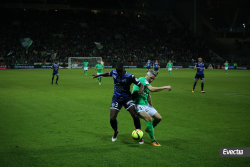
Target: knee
x,y
148,119
159,118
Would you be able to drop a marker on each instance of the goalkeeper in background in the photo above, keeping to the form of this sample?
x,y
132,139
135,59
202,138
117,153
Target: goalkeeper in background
x,y
169,66
99,67
86,65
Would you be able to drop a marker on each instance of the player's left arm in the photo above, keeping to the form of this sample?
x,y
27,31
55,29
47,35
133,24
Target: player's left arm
x,y
150,100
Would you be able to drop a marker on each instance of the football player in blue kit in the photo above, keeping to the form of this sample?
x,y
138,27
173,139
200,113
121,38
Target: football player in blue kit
x,y
55,68
122,96
156,67
199,75
148,65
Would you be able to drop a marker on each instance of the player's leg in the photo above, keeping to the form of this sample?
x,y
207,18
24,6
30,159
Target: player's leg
x,y
196,78
157,119
113,123
226,68
53,78
57,78
100,80
151,111
114,110
202,84
170,71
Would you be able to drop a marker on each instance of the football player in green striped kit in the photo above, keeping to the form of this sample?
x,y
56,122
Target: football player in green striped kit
x,y
169,66
99,67
226,66
144,104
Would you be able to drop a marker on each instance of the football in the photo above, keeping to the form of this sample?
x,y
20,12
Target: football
x,y
137,134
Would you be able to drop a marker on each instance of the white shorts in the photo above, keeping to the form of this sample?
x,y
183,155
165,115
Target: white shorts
x,y
169,69
226,68
85,68
148,108
99,73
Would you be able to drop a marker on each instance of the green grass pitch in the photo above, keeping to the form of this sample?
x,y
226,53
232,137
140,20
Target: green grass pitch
x,y
68,124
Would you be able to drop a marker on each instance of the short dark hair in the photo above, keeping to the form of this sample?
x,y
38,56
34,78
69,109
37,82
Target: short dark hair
x,y
119,65
55,59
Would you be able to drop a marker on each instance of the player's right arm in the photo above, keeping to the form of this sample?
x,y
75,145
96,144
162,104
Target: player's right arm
x,y
157,89
52,67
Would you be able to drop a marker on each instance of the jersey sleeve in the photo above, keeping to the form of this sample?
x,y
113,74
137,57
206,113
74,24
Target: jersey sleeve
x,y
135,80
144,81
96,66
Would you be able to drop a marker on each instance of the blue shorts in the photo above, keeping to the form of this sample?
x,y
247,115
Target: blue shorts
x,y
199,76
118,103
148,68
55,73
156,69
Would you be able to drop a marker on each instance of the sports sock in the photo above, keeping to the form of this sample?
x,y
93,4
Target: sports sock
x,y
100,79
194,85
226,71
170,72
52,79
137,123
202,86
86,72
113,124
56,79
151,131
155,122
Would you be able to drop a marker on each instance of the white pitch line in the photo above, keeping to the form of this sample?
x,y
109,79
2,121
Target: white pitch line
x,y
237,95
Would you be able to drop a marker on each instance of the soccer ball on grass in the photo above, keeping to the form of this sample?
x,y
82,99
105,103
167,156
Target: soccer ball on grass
x,y
137,134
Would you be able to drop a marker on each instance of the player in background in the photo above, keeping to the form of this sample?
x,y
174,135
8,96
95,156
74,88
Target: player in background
x,y
144,103
156,67
55,68
86,65
169,66
226,66
199,75
99,67
102,62
122,96
148,64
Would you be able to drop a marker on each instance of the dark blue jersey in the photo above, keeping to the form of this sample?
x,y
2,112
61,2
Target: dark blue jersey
x,y
56,66
200,70
156,65
122,84
148,64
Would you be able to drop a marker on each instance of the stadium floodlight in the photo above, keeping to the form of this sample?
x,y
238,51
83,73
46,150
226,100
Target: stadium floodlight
x,y
77,62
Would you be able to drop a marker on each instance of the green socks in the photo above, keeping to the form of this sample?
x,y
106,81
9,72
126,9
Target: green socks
x,y
155,123
100,79
226,71
151,131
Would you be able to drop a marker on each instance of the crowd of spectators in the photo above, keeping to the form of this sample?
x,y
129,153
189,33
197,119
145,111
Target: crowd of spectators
x,y
73,33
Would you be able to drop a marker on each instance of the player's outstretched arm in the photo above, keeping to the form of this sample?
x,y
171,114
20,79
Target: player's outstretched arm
x,y
157,89
106,74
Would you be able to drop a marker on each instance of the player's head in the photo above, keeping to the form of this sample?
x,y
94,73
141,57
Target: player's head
x,y
55,61
227,61
156,60
148,60
151,76
200,59
100,62
170,61
120,69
